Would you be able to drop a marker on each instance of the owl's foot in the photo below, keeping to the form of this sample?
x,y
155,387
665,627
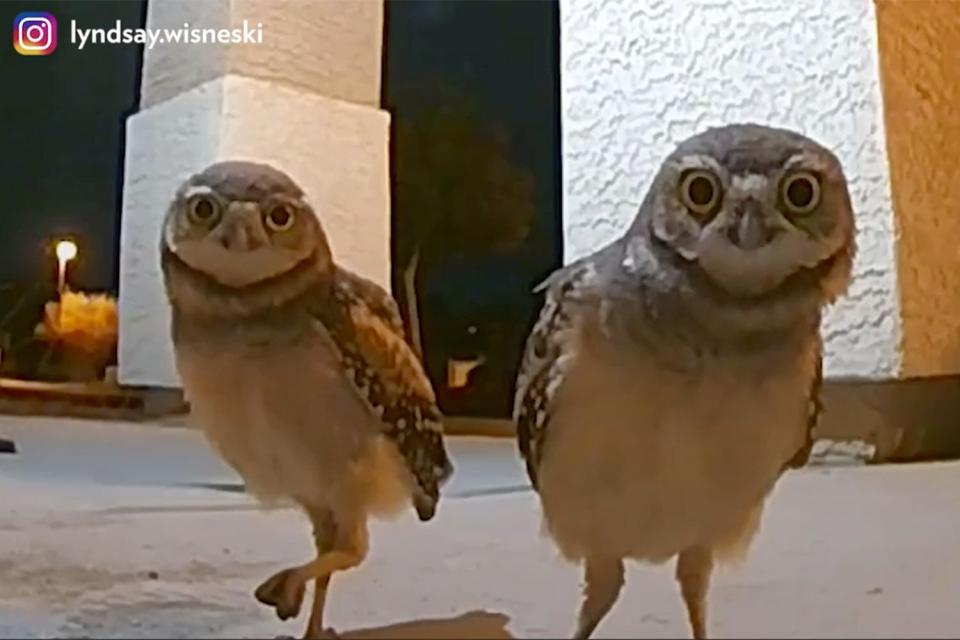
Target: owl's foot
x,y
284,592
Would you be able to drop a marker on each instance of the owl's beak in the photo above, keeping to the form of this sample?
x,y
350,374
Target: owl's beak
x,y
239,231
749,232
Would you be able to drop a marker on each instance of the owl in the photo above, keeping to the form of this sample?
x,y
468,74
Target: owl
x,y
673,375
296,369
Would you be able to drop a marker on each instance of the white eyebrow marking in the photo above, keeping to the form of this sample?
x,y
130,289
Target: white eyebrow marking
x,y
196,190
806,160
699,161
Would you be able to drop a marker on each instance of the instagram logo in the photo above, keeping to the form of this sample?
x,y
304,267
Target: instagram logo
x,y
35,33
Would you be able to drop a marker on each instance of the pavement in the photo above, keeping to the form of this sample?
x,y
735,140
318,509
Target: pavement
x,y
132,530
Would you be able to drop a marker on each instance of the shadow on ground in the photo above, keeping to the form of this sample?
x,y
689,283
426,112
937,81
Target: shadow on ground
x,y
475,625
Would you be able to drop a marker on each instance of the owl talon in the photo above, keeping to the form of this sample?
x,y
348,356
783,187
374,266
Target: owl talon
x,y
283,592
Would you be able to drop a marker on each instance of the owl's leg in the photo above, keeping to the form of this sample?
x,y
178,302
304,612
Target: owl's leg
x,y
603,579
694,566
343,548
338,548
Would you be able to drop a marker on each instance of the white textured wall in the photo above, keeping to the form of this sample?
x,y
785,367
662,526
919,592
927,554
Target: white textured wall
x,y
638,76
165,145
331,47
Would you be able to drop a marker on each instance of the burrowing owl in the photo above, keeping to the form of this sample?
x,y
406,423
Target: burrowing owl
x,y
296,368
673,375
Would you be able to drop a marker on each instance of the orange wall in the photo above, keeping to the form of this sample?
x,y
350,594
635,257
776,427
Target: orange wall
x,y
920,77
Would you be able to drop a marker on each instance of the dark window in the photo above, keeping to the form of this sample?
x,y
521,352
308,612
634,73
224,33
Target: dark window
x,y
473,87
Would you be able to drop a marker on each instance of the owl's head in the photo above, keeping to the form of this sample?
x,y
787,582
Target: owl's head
x,y
754,209
242,224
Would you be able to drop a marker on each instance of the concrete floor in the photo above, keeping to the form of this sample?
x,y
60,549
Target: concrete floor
x,y
121,530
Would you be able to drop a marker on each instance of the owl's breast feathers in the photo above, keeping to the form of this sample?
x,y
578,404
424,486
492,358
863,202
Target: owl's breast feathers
x,y
549,352
365,324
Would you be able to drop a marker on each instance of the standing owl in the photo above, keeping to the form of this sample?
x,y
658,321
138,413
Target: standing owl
x,y
296,369
673,375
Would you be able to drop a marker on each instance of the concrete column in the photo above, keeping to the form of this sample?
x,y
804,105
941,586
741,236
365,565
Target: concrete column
x,y
306,99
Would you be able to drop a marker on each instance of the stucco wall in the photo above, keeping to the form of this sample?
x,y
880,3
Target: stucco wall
x,y
637,77
331,47
920,65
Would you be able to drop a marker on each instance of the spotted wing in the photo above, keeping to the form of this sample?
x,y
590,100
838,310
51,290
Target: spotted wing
x,y
376,299
390,379
547,357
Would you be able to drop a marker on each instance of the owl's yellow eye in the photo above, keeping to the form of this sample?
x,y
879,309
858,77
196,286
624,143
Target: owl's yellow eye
x,y
203,210
279,218
800,192
700,192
